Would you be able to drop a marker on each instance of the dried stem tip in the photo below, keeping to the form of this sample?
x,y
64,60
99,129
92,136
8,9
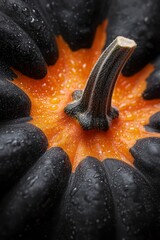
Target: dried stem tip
x,y
92,107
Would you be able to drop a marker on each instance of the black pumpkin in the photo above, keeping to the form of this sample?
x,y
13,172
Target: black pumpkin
x,y
40,197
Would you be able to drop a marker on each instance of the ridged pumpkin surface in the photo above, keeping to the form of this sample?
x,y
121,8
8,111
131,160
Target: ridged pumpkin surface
x,y
50,95
57,180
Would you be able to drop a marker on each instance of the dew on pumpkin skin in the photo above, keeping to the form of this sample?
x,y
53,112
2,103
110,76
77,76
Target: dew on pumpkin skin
x,y
15,6
129,117
130,96
72,62
32,21
123,106
26,12
60,75
84,65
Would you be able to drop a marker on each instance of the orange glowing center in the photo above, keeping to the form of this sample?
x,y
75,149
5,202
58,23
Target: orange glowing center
x,y
50,95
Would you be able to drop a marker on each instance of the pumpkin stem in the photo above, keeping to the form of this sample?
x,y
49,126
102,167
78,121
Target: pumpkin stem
x,y
92,107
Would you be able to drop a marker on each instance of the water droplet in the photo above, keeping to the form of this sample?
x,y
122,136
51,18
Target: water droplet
x,y
146,19
26,11
15,7
32,20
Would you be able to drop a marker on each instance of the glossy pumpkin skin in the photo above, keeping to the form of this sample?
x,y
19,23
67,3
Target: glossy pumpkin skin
x,y
40,197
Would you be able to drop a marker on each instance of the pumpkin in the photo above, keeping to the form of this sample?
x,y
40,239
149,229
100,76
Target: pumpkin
x,y
72,166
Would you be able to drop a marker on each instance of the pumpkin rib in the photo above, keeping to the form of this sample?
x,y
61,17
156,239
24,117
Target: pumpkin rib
x,y
154,123
138,20
31,22
146,158
36,194
20,146
76,24
19,50
134,201
83,215
6,72
14,103
152,89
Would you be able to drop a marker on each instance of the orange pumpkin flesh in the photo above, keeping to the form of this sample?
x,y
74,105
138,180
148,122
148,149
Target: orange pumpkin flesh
x,y
50,96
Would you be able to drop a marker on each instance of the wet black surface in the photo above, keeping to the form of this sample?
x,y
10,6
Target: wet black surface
x,y
38,198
